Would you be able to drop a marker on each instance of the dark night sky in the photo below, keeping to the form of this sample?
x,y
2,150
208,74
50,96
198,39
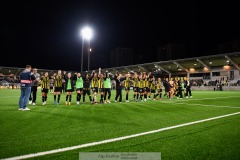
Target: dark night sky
x,y
45,34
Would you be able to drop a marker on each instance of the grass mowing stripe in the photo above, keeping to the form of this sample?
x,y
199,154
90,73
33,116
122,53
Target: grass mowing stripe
x,y
207,105
116,139
199,99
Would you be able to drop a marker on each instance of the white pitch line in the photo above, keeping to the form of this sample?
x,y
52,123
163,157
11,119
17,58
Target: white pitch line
x,y
198,99
116,139
207,105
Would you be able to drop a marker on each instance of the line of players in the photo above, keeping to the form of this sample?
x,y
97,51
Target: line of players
x,y
144,86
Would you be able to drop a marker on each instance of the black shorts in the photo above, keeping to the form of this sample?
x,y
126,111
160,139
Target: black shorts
x,y
79,89
51,87
86,91
69,90
107,89
135,89
45,90
147,89
127,88
58,89
159,90
153,91
95,89
101,89
141,90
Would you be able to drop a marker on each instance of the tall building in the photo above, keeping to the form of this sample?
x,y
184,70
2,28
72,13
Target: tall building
x,y
170,52
121,57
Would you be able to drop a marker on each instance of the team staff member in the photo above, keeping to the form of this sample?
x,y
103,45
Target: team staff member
x,y
107,88
34,85
45,84
167,88
69,87
79,86
25,84
86,87
179,83
127,82
117,78
188,88
58,79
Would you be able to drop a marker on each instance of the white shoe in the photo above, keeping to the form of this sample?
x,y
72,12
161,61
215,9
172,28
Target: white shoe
x,y
78,103
127,100
186,96
34,104
30,102
43,103
115,101
191,97
108,101
145,99
20,109
26,109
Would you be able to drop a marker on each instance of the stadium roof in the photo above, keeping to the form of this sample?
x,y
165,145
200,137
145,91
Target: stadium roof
x,y
182,66
178,67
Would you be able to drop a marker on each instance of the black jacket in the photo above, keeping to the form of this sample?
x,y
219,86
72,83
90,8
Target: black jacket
x,y
118,83
66,82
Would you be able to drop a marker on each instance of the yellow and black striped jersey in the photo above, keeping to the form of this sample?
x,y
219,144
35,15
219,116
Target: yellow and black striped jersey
x,y
45,82
153,85
94,82
141,83
136,82
58,81
159,84
127,82
146,82
101,83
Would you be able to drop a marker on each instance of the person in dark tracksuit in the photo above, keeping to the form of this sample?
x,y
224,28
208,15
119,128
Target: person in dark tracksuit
x,y
188,88
117,78
86,87
34,85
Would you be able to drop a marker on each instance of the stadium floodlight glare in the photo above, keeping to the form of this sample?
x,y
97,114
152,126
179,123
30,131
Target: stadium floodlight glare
x,y
86,33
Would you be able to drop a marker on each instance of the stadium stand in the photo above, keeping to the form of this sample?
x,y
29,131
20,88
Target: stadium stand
x,y
222,69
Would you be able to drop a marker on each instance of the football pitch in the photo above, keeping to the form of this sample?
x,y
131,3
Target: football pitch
x,y
206,126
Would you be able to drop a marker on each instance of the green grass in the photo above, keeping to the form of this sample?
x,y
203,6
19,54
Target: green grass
x,y
51,127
